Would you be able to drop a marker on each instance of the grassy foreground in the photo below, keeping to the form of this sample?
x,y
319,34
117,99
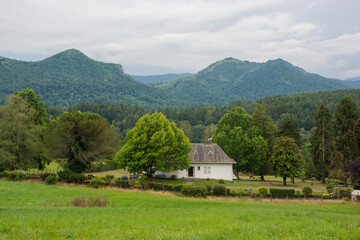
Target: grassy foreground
x,y
137,215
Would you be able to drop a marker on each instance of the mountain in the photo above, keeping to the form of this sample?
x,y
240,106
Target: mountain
x,y
353,82
158,78
231,79
71,77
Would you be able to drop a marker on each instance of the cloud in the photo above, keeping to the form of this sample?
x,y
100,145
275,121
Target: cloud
x,y
184,35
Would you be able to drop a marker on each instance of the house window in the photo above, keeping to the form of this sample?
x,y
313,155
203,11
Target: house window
x,y
198,168
207,170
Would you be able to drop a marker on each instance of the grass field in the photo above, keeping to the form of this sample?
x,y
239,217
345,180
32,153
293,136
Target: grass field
x,y
138,215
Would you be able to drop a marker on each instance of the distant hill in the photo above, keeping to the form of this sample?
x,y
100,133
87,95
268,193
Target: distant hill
x,y
353,82
231,79
158,78
70,77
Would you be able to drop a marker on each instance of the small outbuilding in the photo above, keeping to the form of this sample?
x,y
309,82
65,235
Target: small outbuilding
x,y
208,160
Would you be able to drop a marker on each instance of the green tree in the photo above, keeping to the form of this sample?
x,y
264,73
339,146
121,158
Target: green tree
x,y
209,131
322,142
286,158
267,130
82,138
290,128
154,144
346,148
20,142
239,138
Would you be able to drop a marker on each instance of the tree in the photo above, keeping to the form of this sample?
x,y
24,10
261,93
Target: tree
x,y
20,141
322,142
354,170
82,138
346,148
267,130
154,144
209,131
290,128
239,138
286,158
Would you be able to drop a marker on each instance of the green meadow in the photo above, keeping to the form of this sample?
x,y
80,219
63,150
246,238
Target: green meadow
x,y
25,214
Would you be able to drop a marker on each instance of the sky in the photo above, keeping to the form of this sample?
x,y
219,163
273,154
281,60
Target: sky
x,y
156,37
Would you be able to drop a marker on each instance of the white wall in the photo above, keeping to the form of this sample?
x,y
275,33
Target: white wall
x,y
217,171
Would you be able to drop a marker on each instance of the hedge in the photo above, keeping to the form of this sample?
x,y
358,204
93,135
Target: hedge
x,y
194,190
278,192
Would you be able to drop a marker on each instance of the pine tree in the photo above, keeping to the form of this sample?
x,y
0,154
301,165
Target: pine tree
x,y
290,128
322,142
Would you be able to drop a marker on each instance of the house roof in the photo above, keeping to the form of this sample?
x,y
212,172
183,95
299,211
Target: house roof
x,y
209,153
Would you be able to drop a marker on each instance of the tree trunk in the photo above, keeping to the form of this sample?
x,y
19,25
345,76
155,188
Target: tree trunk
x,y
293,180
323,179
345,182
262,176
284,180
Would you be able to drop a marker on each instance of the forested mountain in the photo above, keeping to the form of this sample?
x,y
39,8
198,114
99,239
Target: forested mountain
x,y
353,82
158,78
70,77
196,121
232,79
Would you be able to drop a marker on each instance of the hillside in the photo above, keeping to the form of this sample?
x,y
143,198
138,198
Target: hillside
x,y
158,78
71,77
232,79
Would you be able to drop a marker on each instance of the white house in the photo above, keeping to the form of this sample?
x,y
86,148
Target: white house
x,y
208,160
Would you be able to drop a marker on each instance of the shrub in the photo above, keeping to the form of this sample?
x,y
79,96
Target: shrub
x,y
209,188
344,193
253,195
357,186
158,187
16,176
138,184
122,183
160,176
263,191
96,182
236,192
65,175
51,179
173,177
219,190
169,187
77,178
4,174
109,177
124,177
178,187
307,191
325,196
345,199
194,190
279,192
330,188
221,181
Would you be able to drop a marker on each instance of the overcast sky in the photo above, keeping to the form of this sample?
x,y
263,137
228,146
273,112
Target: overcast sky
x,y
156,37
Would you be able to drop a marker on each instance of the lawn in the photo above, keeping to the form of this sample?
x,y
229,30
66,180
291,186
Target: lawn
x,y
138,215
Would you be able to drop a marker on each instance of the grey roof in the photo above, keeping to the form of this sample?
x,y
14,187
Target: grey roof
x,y
209,153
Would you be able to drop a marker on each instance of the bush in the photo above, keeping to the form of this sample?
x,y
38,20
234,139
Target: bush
x,y
138,184
96,182
357,186
219,190
51,179
344,193
173,177
124,177
158,187
109,177
160,176
307,191
194,190
169,187
16,176
65,175
77,178
221,181
345,199
279,192
325,196
122,183
330,188
209,188
178,187
263,191
4,174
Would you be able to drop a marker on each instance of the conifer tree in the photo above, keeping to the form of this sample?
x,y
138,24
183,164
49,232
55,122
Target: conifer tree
x,y
322,142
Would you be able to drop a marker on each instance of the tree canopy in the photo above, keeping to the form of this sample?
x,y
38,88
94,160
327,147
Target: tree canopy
x,y
154,144
82,138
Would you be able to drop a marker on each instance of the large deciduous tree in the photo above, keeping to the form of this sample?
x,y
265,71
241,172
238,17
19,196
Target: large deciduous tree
x,y
346,146
239,138
286,158
267,130
322,143
20,141
154,144
82,138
